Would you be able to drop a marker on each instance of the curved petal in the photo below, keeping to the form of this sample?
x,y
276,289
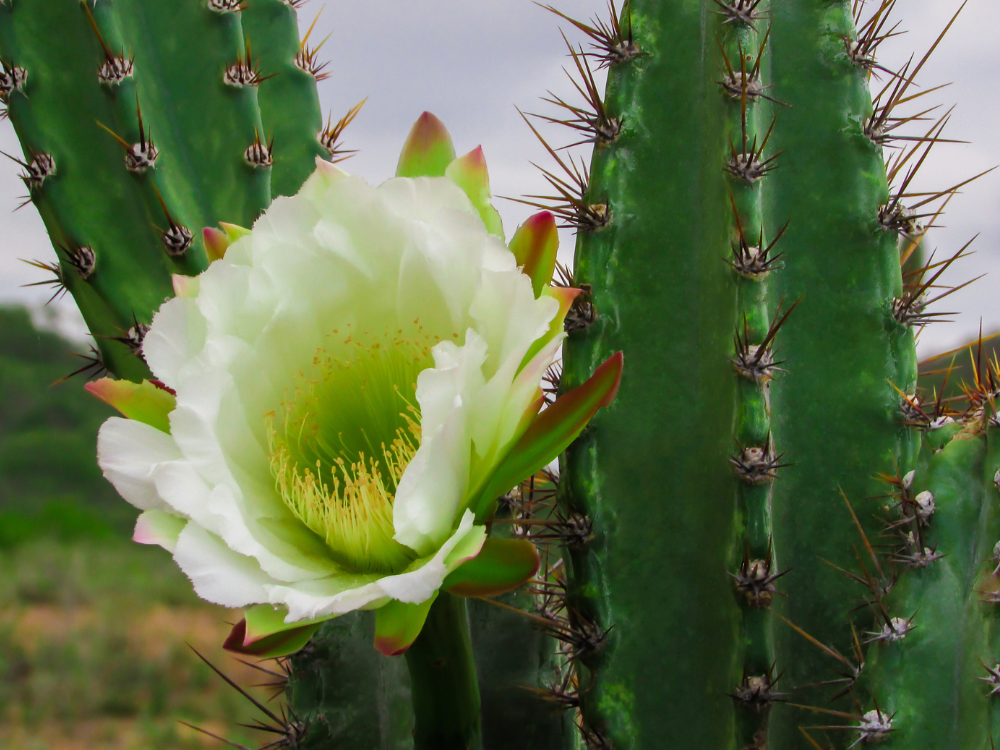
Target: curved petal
x,y
501,566
554,429
397,625
159,528
130,453
425,576
218,574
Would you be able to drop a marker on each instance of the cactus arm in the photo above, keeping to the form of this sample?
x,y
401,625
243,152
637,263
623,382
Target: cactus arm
x,y
989,582
443,674
925,677
346,694
90,203
512,657
837,415
289,101
202,126
653,463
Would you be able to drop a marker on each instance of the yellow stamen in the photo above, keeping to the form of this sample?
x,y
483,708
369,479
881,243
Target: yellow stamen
x,y
345,439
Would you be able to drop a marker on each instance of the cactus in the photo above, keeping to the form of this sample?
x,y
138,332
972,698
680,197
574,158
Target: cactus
x,y
771,105
772,539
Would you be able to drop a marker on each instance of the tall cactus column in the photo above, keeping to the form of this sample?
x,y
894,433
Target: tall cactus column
x,y
650,601
837,413
755,460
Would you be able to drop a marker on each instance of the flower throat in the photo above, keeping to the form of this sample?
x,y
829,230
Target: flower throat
x,y
340,445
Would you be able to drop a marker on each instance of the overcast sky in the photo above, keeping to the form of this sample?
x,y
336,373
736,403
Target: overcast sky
x,y
471,61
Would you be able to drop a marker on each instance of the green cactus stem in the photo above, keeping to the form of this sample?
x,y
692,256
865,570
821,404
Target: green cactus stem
x,y
930,634
838,416
110,257
653,620
197,83
289,102
344,694
988,587
444,683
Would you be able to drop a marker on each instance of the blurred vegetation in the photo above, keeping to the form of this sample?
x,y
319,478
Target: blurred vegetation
x,y
50,485
94,629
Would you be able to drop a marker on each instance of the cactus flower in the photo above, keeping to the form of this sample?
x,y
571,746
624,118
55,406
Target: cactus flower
x,y
341,398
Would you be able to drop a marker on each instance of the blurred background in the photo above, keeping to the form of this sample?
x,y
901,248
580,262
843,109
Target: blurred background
x,y
92,627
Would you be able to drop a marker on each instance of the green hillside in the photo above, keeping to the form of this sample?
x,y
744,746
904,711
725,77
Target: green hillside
x,y
49,481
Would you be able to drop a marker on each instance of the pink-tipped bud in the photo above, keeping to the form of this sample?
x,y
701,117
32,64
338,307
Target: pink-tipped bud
x,y
535,245
216,243
144,402
428,150
185,286
469,172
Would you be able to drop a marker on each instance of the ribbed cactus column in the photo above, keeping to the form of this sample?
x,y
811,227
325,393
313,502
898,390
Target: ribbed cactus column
x,y
989,572
110,256
650,600
289,102
928,641
755,461
197,82
837,414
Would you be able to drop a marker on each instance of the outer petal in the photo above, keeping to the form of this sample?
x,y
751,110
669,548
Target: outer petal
x,y
535,245
216,243
130,453
159,528
397,625
500,566
469,173
264,633
143,402
554,429
428,150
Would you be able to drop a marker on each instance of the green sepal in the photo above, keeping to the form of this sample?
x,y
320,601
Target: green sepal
x,y
469,172
264,633
553,430
144,402
428,150
535,244
501,566
398,624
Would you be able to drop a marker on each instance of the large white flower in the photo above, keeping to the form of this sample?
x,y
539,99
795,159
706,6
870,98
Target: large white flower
x,y
342,397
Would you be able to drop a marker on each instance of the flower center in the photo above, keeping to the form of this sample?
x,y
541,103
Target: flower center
x,y
342,442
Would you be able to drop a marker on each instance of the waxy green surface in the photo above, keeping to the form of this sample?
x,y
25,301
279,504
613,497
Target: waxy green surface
x,y
289,101
201,125
652,469
927,679
836,414
91,200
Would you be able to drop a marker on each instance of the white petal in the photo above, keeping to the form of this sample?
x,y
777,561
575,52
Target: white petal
x,y
159,528
130,453
433,487
419,585
219,575
176,336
